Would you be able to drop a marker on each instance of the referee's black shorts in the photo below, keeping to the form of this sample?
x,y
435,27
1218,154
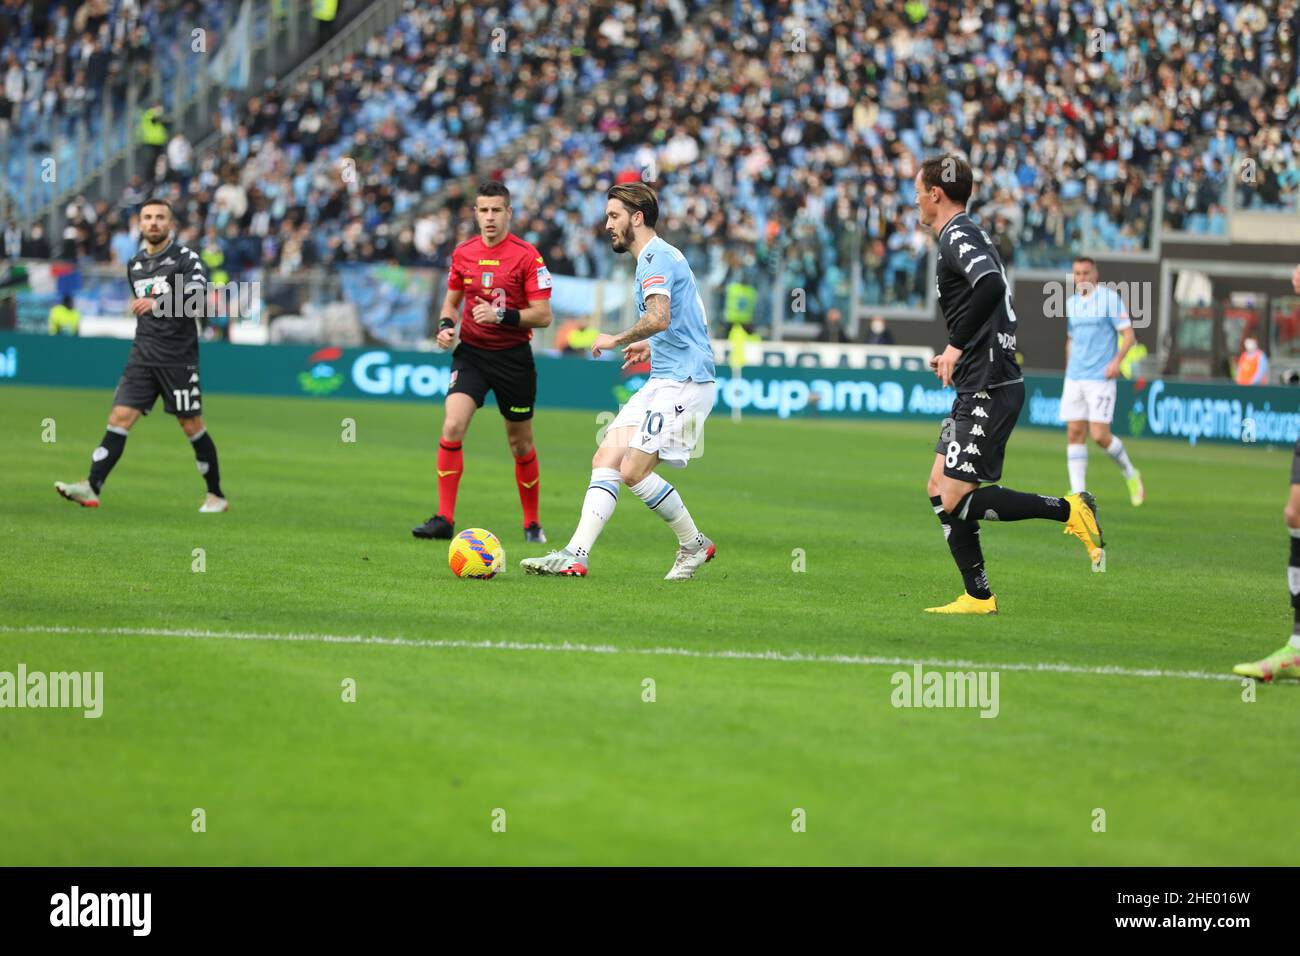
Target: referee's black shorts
x,y
510,374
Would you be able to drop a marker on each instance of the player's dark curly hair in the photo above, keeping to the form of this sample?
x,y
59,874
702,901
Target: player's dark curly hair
x,y
638,197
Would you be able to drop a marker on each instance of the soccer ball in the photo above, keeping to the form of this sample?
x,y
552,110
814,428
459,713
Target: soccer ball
x,y
475,553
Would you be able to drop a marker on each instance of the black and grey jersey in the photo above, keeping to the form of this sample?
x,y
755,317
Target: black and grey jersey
x,y
169,335
967,255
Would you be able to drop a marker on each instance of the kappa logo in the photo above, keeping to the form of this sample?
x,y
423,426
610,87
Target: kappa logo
x,y
967,467
983,395
169,261
971,449
979,412
977,430
964,248
954,235
138,265
194,378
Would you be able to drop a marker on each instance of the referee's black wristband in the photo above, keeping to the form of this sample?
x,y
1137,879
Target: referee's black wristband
x,y
511,317
446,323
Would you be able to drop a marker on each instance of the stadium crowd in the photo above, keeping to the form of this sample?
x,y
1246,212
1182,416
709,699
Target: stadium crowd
x,y
785,146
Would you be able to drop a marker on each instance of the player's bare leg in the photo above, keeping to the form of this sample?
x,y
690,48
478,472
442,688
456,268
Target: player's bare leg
x,y
597,508
1285,661
1076,455
205,458
694,550
459,409
527,476
1113,447
111,446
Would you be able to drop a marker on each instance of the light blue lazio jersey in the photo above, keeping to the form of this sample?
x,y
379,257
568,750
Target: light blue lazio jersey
x,y
682,351
1094,323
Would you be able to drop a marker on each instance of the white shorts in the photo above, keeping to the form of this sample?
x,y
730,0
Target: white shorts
x,y
669,418
1088,400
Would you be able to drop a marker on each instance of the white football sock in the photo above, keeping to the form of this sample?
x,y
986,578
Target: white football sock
x,y
663,499
1076,462
597,508
1116,451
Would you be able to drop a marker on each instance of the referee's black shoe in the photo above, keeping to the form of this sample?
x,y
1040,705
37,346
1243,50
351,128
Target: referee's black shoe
x,y
435,527
534,534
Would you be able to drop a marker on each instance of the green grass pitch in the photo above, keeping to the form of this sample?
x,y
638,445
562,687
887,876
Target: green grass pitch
x,y
252,728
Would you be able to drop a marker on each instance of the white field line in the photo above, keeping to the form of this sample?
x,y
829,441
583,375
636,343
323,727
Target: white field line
x,y
572,648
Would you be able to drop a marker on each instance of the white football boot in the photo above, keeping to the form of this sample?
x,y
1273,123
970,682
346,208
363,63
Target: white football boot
x,y
78,491
563,562
688,562
213,504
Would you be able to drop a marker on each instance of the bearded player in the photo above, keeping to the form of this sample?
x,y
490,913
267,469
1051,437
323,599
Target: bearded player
x,y
1285,661
164,358
980,364
664,419
505,289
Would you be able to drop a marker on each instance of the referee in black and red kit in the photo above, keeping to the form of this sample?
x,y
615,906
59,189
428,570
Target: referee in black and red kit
x,y
502,288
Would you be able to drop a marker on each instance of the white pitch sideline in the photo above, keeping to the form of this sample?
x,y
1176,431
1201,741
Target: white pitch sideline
x,y
792,657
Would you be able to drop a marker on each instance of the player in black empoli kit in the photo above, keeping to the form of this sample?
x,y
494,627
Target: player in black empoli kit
x,y
164,358
980,364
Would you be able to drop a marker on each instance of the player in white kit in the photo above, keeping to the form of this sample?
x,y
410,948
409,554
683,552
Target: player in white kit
x,y
1097,320
664,419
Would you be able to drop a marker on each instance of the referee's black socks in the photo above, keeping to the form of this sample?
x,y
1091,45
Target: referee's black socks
x,y
106,455
205,456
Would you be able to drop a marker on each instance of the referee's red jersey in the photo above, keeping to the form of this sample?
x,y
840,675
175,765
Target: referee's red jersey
x,y
512,265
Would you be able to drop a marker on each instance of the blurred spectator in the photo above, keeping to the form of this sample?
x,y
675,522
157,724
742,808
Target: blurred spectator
x,y
36,246
64,318
125,240
576,336
1252,364
879,333
13,241
180,159
833,328
153,134
739,340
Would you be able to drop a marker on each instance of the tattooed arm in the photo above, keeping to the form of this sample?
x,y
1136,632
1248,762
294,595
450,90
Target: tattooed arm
x,y
658,313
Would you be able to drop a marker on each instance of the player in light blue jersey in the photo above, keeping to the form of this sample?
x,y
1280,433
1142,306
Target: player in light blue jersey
x,y
1097,321
663,421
